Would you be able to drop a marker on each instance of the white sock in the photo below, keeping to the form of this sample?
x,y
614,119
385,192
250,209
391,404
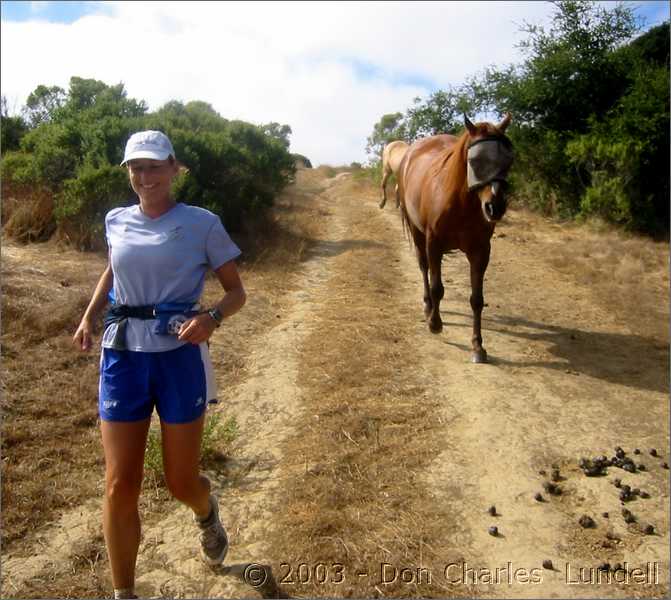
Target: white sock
x,y
124,593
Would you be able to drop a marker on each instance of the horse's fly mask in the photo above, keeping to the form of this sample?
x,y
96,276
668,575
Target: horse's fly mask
x,y
489,159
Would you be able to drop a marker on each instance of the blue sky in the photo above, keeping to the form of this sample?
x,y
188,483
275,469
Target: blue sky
x,y
54,12
328,69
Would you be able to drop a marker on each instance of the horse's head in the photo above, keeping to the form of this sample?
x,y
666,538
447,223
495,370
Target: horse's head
x,y
489,158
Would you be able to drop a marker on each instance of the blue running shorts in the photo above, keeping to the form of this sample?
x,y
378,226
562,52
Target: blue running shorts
x,y
178,382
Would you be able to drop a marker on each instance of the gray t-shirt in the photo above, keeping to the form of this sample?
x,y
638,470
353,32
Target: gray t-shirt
x,y
162,260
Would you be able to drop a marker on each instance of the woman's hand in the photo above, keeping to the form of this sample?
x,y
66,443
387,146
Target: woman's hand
x,y
198,329
83,337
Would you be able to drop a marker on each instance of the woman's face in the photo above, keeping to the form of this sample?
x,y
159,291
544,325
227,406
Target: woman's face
x,y
151,179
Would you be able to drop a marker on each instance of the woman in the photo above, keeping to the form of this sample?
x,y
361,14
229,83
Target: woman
x,y
154,350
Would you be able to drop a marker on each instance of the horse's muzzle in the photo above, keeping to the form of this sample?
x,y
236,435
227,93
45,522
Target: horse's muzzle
x,y
495,206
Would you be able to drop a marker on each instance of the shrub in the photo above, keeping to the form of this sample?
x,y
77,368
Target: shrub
x,y
17,170
233,168
81,206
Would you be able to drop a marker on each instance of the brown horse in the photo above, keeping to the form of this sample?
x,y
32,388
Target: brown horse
x,y
452,195
392,155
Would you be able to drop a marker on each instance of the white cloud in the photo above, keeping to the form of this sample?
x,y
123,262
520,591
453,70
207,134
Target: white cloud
x,y
294,63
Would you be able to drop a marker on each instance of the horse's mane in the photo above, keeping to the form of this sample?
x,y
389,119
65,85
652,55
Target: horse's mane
x,y
455,176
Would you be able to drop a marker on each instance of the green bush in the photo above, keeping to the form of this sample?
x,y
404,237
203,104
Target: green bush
x,y
233,168
82,203
235,171
12,129
17,169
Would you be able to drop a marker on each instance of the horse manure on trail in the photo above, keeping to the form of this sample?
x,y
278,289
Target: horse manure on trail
x,y
599,466
586,522
552,488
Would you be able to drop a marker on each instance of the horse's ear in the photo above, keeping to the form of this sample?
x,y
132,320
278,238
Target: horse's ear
x,y
471,128
503,125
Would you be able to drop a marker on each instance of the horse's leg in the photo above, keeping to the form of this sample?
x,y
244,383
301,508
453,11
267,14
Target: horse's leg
x,y
398,197
478,261
385,176
434,255
420,248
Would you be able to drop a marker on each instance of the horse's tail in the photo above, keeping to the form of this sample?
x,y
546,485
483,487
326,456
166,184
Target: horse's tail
x,y
400,191
405,223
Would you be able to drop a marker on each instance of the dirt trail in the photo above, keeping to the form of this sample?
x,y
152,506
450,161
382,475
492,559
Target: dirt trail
x,y
568,377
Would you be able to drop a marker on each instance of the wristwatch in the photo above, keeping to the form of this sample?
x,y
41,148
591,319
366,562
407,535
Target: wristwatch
x,y
216,315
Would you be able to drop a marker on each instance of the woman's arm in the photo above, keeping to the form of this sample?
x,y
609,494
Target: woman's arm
x,y
83,336
200,328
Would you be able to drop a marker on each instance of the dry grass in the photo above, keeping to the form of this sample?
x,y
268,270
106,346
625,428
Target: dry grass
x,y
356,500
28,217
84,575
626,272
51,455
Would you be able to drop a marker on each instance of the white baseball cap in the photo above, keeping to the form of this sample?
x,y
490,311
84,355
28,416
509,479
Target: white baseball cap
x,y
148,144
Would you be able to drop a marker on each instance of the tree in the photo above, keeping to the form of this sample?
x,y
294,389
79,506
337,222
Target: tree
x,y
441,112
279,132
43,103
389,128
572,76
570,71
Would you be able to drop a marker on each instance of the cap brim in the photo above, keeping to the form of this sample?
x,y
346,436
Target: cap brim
x,y
146,154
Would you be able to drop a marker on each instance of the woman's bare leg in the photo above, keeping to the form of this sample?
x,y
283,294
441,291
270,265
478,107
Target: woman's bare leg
x,y
181,459
124,445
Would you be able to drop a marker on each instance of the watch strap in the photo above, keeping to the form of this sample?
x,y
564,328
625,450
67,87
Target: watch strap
x,y
216,315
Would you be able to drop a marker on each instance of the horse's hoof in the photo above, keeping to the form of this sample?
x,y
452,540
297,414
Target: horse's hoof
x,y
479,356
382,204
435,328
